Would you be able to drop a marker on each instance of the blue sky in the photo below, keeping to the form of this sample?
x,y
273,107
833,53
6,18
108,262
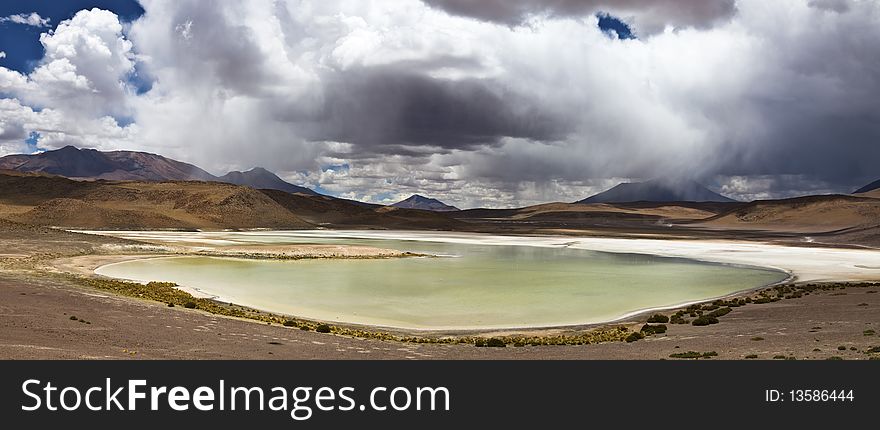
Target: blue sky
x,y
21,42
609,23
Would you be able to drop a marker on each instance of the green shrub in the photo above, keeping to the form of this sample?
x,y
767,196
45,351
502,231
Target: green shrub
x,y
492,342
322,328
171,305
710,354
658,318
750,356
704,320
841,348
757,338
689,354
190,304
677,319
289,323
648,329
634,337
719,312
868,332
495,343
73,318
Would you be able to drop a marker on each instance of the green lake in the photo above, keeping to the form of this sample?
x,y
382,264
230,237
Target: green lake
x,y
470,286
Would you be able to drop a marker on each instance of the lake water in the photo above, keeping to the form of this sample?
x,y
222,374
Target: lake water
x,y
474,285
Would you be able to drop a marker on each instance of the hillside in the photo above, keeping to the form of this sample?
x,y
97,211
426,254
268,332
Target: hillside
x,y
333,212
424,203
657,191
261,178
812,214
586,215
72,162
874,194
57,201
91,164
870,187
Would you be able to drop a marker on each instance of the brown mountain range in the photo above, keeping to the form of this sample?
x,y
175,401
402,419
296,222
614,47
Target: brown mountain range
x,y
91,164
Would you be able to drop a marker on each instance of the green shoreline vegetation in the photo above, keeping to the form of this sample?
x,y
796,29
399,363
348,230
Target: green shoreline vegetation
x,y
703,314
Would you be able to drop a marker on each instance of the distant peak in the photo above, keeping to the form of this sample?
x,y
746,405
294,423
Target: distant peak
x,y
418,201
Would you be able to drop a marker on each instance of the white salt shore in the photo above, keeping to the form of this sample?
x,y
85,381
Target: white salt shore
x,y
803,263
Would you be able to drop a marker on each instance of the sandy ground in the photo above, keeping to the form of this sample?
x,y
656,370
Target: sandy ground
x,y
35,324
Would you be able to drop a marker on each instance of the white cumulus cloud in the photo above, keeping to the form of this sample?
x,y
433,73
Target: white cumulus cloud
x,y
32,19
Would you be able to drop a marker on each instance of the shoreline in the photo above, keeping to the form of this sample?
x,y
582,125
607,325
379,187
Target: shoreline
x,y
484,239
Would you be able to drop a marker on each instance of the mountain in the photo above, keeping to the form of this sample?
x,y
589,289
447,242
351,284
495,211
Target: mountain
x,y
424,203
263,179
658,191
42,199
78,163
870,187
75,163
332,212
809,214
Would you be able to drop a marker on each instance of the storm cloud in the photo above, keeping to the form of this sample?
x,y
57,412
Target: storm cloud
x,y
647,16
485,103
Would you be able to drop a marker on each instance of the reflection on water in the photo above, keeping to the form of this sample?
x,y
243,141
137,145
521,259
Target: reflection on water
x,y
484,286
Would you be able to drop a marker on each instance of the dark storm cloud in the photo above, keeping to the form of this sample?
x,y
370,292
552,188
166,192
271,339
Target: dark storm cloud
x,y
217,51
651,14
839,6
387,109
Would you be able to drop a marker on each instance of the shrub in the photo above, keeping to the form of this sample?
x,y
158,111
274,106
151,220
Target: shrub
x,y
868,332
73,318
658,318
677,319
190,304
704,320
289,323
495,343
757,338
719,312
634,337
750,356
689,354
322,328
874,349
492,342
648,329
710,354
171,305
779,357
841,348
